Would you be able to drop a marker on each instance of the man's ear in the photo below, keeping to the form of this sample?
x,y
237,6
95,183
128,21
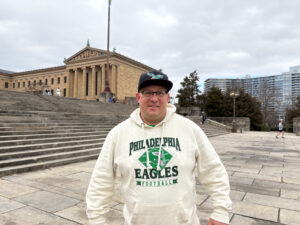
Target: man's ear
x,y
138,96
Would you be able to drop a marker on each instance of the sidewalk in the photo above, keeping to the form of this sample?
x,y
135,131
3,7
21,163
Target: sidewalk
x,y
264,177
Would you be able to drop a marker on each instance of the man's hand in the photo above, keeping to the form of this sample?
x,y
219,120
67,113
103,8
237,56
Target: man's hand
x,y
213,222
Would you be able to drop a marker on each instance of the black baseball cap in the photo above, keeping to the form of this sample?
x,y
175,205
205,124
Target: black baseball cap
x,y
154,78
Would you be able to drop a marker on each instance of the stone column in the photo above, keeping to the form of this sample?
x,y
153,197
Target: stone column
x,y
93,91
83,87
99,81
69,83
103,78
75,87
116,79
112,81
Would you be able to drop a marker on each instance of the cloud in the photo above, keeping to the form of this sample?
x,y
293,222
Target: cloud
x,y
217,38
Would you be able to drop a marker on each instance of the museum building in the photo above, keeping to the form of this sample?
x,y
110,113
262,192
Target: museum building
x,y
83,76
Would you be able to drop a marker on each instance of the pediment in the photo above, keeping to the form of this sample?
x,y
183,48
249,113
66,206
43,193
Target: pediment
x,y
85,53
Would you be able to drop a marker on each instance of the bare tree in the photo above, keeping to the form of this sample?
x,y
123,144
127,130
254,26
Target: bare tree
x,y
268,95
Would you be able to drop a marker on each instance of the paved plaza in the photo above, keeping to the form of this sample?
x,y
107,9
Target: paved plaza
x,y
264,177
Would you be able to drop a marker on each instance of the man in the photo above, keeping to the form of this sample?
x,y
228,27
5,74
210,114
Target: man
x,y
280,129
203,116
156,153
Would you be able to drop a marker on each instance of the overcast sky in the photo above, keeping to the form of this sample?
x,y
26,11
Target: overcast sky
x,y
218,38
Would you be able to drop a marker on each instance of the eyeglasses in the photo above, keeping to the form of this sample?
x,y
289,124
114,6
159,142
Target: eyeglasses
x,y
149,94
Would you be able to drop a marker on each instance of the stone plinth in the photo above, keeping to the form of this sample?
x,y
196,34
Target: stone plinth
x,y
296,126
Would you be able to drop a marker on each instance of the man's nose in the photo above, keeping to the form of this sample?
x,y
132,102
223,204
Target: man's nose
x,y
154,97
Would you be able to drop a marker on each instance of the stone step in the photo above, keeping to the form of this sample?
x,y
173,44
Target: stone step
x,y
218,132
213,128
32,132
84,120
12,116
212,131
51,135
56,121
24,119
112,120
215,134
29,153
88,119
49,140
15,113
5,129
43,165
215,131
48,157
20,128
38,124
53,115
29,147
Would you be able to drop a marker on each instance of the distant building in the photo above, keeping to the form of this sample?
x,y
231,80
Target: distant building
x,y
283,89
82,76
222,84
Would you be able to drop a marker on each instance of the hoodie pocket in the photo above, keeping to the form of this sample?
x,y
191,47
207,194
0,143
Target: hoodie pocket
x,y
158,214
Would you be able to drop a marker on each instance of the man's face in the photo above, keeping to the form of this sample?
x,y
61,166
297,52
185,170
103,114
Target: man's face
x,y
153,107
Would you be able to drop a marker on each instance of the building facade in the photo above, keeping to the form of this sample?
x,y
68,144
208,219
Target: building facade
x,y
222,84
82,76
281,90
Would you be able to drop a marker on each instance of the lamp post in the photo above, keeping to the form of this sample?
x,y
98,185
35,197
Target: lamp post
x,y
234,94
106,94
107,88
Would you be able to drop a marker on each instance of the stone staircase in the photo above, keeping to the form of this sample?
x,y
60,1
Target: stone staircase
x,y
38,132
211,127
31,141
20,101
212,131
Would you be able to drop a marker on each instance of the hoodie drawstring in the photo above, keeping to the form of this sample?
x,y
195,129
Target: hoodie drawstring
x,y
160,145
147,152
159,151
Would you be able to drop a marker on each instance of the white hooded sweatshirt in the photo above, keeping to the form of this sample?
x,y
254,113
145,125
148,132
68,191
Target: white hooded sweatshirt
x,y
157,167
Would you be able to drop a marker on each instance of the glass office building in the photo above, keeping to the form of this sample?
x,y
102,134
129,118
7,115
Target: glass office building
x,y
280,91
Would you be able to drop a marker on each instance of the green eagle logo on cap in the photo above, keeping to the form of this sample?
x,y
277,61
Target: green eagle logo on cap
x,y
153,76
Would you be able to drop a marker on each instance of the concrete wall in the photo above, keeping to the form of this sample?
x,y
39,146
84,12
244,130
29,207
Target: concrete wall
x,y
242,122
296,126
